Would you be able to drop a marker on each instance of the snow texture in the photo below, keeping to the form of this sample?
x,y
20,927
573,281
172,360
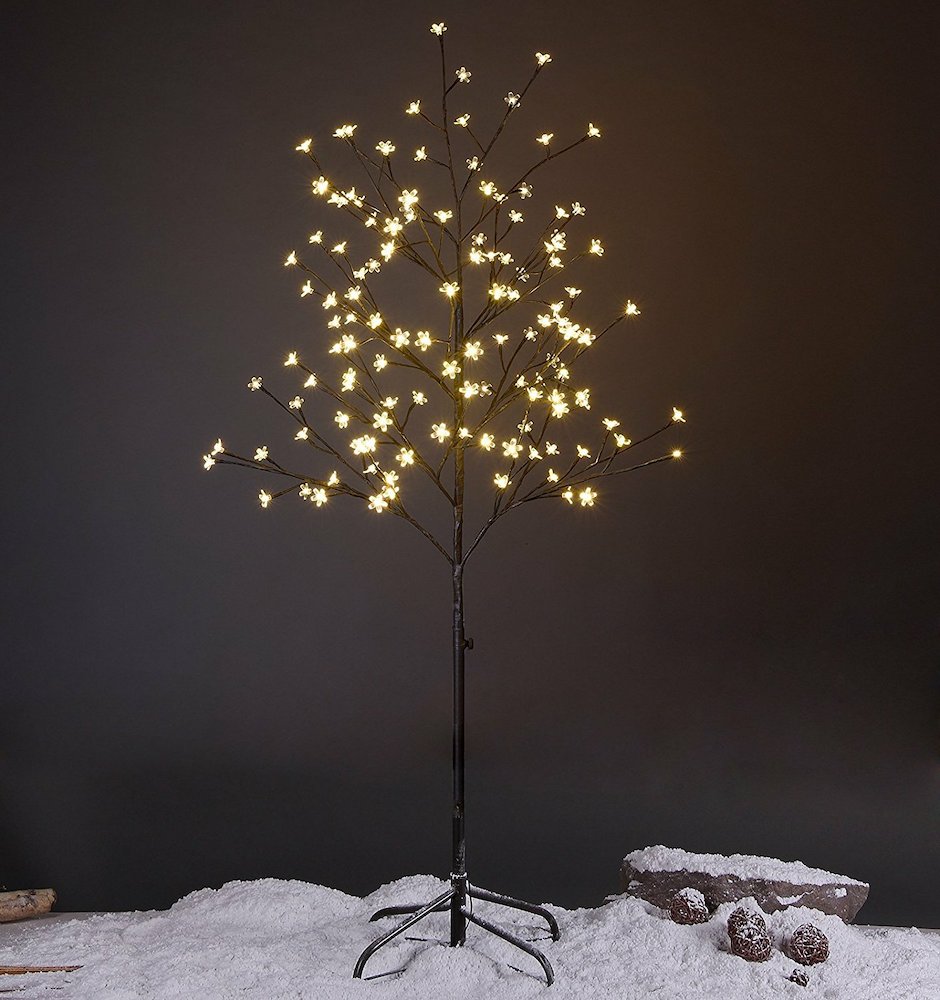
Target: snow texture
x,y
745,866
275,940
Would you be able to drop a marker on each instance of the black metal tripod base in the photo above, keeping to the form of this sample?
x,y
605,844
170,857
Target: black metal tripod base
x,y
454,902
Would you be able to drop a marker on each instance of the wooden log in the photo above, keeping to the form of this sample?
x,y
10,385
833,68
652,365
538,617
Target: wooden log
x,y
20,970
25,903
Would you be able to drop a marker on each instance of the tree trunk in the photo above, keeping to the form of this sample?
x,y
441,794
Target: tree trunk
x,y
458,874
25,903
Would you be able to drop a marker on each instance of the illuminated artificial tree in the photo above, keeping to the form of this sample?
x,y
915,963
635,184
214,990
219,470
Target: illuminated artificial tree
x,y
493,390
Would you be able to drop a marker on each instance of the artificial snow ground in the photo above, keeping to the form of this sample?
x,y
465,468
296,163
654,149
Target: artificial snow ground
x,y
274,940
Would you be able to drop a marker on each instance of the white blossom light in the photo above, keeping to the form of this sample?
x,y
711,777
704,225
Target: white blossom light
x,y
363,445
587,496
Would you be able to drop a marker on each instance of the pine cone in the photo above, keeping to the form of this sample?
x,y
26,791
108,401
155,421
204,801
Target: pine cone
x,y
808,945
743,917
751,943
799,977
688,907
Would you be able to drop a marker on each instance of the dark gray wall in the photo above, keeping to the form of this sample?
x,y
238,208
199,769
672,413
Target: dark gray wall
x,y
734,654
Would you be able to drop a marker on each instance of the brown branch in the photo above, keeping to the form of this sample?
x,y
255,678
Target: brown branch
x,y
21,970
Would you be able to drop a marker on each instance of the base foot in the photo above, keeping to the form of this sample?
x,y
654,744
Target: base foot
x,y
454,900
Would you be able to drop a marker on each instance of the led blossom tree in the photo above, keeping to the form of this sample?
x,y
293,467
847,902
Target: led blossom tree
x,y
479,397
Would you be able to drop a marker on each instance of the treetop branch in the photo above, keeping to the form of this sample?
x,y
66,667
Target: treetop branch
x,y
520,374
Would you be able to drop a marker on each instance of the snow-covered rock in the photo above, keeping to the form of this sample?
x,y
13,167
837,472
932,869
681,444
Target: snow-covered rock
x,y
657,873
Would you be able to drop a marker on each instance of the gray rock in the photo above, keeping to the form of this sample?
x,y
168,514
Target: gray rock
x,y
657,874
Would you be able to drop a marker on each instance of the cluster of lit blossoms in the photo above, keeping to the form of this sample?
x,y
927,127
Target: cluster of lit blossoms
x,y
407,405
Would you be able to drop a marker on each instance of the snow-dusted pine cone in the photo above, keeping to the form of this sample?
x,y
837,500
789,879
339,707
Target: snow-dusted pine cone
x,y
688,907
751,943
743,917
808,945
799,977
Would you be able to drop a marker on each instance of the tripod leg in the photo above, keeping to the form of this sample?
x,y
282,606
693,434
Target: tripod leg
x,y
435,904
396,911
522,945
517,904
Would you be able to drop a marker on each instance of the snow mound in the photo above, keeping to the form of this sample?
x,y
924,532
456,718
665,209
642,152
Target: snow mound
x,y
280,940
